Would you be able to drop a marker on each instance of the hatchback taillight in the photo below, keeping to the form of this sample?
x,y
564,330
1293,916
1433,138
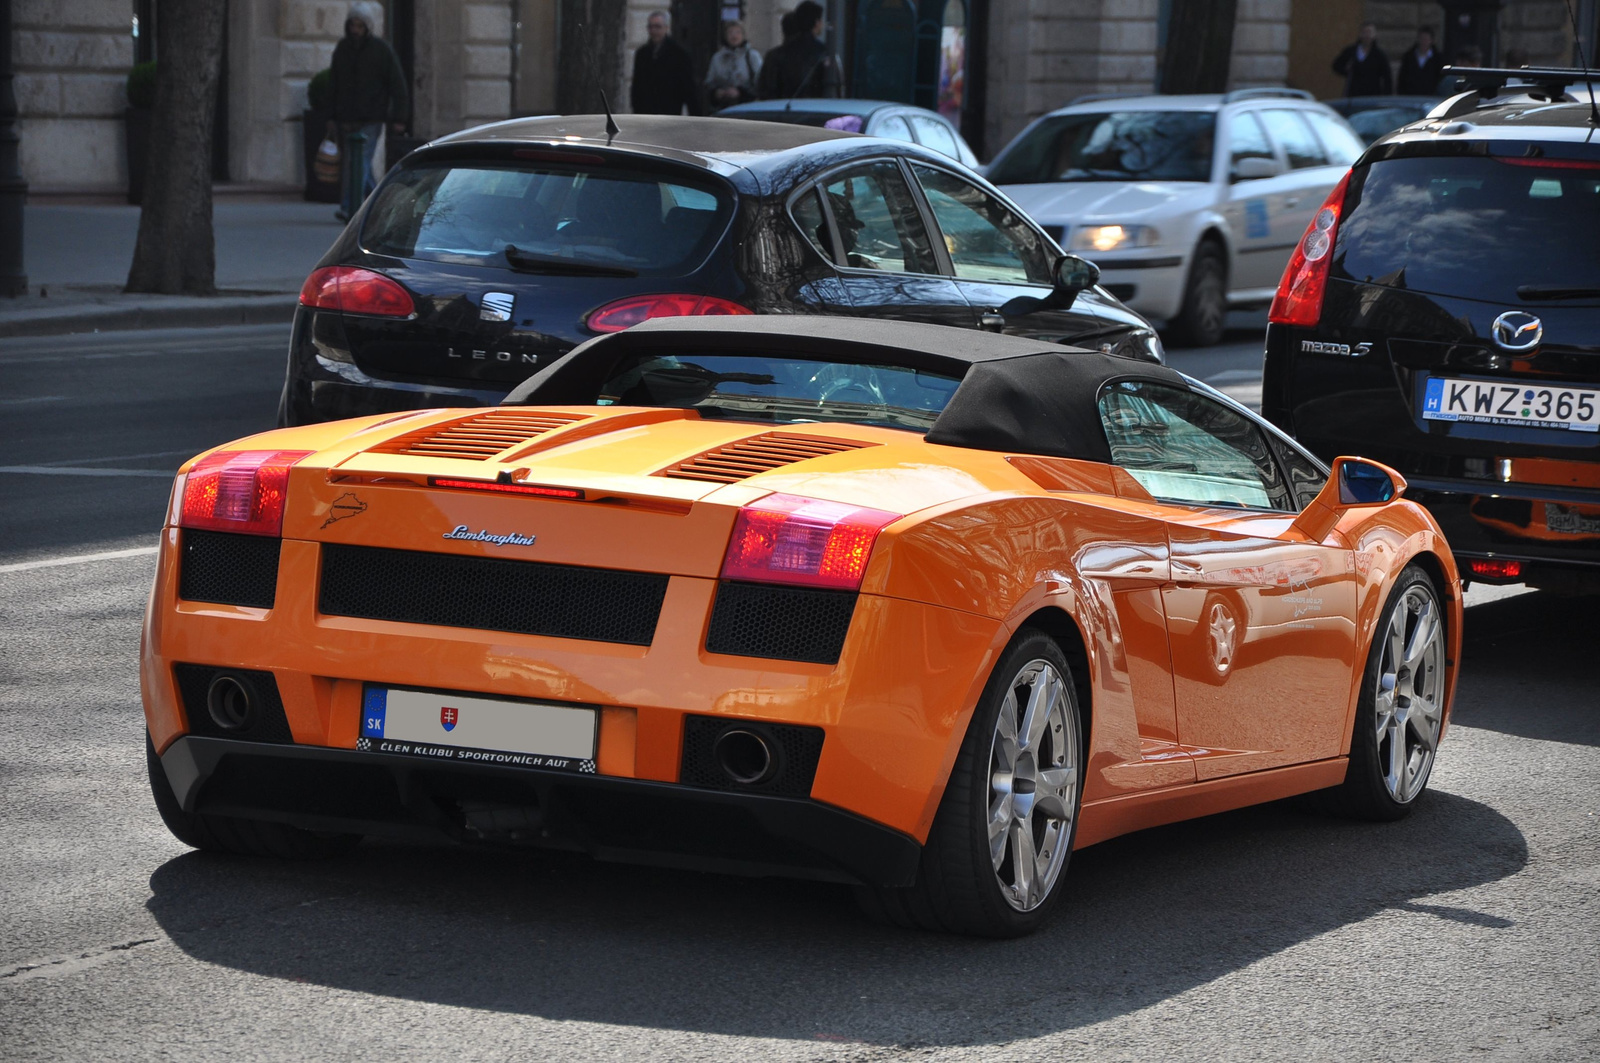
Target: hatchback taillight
x,y
804,541
625,313
1299,298
238,491
356,291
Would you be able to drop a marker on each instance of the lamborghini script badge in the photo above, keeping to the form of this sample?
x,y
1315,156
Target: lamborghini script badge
x,y
460,531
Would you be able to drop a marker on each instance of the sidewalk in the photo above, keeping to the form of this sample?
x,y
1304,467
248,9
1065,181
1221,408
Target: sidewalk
x,y
77,259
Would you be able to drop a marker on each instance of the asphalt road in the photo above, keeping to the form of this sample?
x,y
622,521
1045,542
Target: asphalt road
x,y
1470,929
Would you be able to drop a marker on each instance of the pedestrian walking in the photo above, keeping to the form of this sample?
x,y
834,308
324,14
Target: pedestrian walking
x,y
1421,67
1364,67
731,78
663,77
367,87
802,64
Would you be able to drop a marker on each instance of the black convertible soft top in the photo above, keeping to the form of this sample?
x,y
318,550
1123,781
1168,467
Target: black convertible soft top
x,y
1016,394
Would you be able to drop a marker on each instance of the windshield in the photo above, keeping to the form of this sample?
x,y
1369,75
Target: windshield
x,y
1474,227
751,387
1112,146
542,219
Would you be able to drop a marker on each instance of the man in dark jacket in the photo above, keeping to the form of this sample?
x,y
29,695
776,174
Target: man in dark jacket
x,y
802,64
1364,67
663,77
1421,67
366,84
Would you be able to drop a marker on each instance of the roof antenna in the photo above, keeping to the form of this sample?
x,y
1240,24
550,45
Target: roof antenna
x,y
1577,40
611,123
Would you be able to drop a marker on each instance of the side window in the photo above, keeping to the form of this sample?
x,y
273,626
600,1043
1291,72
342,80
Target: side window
x,y
1344,147
1299,144
894,128
1184,447
807,214
1246,141
1305,476
936,135
985,238
878,221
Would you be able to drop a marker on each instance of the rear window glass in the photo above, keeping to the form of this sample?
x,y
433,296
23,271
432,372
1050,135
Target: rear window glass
x,y
752,387
1475,227
1112,146
472,214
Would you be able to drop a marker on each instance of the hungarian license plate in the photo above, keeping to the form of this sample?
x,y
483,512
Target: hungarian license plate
x,y
474,730
1575,409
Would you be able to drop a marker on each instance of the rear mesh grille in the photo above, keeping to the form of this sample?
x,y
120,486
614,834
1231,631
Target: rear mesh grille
x,y
796,750
784,623
266,723
228,568
528,597
763,453
478,438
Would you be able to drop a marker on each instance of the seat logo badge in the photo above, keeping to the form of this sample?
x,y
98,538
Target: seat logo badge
x,y
448,717
460,531
496,306
1517,331
346,505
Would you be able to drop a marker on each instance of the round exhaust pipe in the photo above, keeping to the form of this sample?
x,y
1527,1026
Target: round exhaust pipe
x,y
745,757
231,702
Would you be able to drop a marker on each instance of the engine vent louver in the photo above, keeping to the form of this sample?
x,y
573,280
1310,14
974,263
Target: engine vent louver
x,y
478,438
737,461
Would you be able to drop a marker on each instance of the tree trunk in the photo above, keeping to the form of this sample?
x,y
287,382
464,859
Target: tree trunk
x,y
1199,46
176,253
590,55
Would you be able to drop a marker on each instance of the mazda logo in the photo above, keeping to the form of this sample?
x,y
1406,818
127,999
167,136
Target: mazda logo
x,y
1517,330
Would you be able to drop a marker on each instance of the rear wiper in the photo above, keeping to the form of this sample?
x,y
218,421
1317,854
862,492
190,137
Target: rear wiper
x,y
523,262
1532,292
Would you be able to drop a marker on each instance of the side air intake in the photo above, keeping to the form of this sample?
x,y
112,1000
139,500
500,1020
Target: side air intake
x,y
748,457
478,438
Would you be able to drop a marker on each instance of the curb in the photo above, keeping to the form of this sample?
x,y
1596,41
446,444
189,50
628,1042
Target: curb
x,y
203,312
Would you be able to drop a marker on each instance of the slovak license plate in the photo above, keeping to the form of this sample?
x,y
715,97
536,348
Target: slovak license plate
x,y
474,730
1576,409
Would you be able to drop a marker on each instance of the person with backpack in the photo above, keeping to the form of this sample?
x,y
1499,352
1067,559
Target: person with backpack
x,y
731,78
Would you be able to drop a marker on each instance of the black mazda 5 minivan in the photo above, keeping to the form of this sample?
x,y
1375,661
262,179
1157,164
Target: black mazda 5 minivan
x,y
1442,315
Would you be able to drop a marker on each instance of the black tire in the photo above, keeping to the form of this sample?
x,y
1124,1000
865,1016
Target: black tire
x,y
958,889
1203,318
243,837
1366,792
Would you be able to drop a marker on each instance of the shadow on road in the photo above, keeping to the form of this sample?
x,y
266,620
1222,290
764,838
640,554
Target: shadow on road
x,y
556,935
1518,652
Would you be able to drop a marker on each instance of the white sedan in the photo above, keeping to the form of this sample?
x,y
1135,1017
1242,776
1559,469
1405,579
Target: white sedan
x,y
1190,205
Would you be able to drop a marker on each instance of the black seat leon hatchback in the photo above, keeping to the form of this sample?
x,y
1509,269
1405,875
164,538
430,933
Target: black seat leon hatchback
x,y
1442,315
485,255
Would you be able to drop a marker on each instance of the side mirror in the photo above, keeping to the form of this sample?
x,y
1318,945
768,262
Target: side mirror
x,y
1071,276
1255,168
1354,482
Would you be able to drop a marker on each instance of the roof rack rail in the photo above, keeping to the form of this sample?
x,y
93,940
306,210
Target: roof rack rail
x,y
1096,97
1489,80
1266,94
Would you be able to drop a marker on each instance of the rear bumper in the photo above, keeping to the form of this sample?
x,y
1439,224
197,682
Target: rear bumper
x,y
322,390
628,820
1510,521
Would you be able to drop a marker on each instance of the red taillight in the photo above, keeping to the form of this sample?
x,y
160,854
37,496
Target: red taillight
x,y
789,539
355,291
1299,298
1495,568
625,313
238,491
537,490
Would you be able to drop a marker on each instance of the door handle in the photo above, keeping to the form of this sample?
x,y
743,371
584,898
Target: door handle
x,y
1292,201
1180,568
992,320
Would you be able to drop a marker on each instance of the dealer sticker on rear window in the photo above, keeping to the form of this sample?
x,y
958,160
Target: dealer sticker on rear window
x,y
1575,409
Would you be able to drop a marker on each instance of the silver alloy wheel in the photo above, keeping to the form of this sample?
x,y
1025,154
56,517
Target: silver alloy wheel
x,y
1033,784
1408,709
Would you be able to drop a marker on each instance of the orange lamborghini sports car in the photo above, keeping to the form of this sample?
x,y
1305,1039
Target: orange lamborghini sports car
x,y
917,609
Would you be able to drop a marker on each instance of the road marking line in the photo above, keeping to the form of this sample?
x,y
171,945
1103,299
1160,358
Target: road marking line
x,y
122,457
35,399
54,966
79,559
66,470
